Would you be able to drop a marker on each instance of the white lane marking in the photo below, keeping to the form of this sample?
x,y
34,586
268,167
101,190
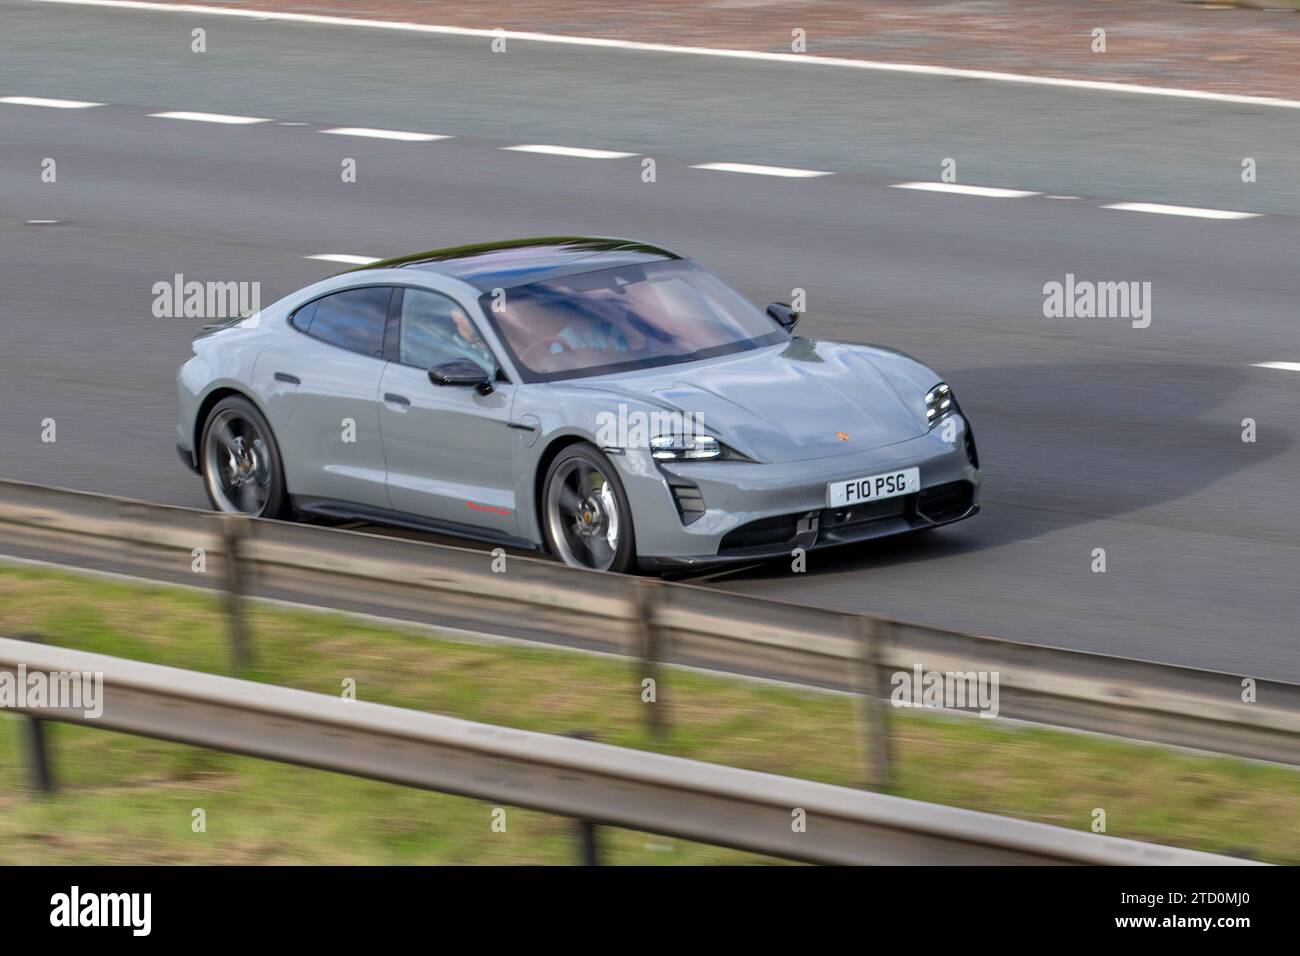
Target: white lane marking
x,y
1062,197
762,170
397,134
343,258
580,152
45,101
1284,366
1161,210
42,222
224,118
802,59
991,192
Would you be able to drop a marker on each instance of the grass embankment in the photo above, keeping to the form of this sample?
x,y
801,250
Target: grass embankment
x,y
125,799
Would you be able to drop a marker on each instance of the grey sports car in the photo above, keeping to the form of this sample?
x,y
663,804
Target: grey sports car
x,y
609,401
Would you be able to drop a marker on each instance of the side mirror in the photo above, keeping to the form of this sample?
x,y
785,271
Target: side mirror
x,y
462,372
785,316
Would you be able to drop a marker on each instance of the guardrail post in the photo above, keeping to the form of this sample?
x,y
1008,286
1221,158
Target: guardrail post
x,y
37,750
871,635
234,531
651,649
42,775
588,848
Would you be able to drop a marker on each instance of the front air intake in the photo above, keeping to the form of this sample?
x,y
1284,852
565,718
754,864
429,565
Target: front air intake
x,y
972,455
689,500
946,502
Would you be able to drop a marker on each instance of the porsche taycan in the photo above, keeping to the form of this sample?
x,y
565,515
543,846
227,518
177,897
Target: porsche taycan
x,y
607,401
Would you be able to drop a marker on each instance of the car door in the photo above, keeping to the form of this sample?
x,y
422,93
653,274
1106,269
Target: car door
x,y
321,392
449,448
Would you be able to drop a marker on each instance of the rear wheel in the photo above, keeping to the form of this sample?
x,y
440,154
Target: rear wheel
x,y
240,462
588,522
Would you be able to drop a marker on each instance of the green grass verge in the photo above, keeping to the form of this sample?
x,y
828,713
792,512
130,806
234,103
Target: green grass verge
x,y
126,799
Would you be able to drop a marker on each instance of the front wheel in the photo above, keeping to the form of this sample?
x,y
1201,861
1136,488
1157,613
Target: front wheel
x,y
588,523
240,461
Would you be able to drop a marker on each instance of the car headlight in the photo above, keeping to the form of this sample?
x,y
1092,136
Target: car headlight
x,y
939,401
685,447
695,447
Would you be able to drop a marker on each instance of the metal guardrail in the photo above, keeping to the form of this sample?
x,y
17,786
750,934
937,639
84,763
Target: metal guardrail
x,y
652,621
592,782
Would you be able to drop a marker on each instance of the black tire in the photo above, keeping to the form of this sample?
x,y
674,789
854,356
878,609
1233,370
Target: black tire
x,y
590,547
230,488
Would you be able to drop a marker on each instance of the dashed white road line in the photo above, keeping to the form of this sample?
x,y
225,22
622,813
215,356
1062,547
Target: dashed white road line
x,y
991,192
579,152
397,134
1162,210
224,118
762,170
1284,366
343,258
582,152
47,102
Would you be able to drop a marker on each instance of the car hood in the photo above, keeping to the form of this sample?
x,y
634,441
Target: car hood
x,y
801,400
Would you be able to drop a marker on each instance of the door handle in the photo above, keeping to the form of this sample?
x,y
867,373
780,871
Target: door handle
x,y
286,377
393,399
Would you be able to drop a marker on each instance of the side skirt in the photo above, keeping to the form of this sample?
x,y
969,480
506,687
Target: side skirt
x,y
331,508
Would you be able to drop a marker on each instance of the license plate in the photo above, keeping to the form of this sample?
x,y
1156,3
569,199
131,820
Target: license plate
x,y
889,484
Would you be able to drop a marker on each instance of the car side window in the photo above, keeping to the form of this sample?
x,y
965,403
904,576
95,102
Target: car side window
x,y
352,320
301,319
436,330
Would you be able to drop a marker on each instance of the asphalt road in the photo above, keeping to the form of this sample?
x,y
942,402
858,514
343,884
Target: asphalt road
x,y
1094,434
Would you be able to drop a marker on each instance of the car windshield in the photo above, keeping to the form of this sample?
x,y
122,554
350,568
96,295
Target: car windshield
x,y
627,317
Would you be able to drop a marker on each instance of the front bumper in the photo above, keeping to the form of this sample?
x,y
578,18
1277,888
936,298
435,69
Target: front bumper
x,y
697,514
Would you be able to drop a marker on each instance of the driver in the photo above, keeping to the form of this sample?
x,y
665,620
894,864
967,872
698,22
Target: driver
x,y
435,331
464,339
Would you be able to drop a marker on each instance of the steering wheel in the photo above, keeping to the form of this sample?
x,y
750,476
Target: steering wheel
x,y
540,349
